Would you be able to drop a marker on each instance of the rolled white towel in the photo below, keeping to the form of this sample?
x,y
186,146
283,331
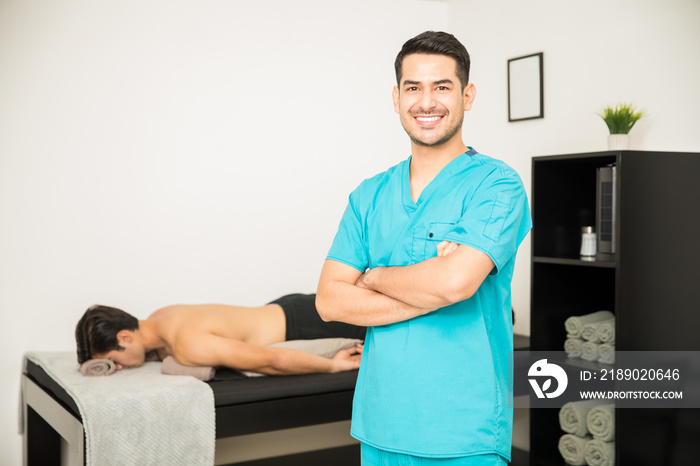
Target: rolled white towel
x,y
589,351
574,324
572,346
572,449
606,331
591,330
606,353
599,453
600,422
573,415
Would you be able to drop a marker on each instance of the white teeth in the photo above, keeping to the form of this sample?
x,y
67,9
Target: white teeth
x,y
426,119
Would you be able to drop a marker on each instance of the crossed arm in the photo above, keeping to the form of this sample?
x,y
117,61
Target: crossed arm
x,y
207,349
385,295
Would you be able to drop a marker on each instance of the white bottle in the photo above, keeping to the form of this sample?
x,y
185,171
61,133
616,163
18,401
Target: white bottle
x,y
588,243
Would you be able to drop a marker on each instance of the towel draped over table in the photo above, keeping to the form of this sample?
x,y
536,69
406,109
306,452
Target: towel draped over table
x,y
138,416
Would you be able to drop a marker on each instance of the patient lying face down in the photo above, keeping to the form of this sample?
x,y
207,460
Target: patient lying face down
x,y
218,335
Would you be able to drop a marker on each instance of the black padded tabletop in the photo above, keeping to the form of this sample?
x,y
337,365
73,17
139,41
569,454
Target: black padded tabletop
x,y
230,391
252,389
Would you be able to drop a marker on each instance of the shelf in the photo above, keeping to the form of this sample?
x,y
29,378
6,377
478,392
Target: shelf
x,y
579,363
573,261
650,284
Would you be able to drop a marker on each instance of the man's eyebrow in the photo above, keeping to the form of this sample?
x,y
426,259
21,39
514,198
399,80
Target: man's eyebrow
x,y
435,83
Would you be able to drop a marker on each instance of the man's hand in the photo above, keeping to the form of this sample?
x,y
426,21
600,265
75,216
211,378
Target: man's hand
x,y
347,359
361,282
445,248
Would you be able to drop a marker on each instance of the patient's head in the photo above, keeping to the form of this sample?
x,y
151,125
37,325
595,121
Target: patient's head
x,y
97,331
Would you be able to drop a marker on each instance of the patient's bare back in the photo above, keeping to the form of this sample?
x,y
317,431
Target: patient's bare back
x,y
260,326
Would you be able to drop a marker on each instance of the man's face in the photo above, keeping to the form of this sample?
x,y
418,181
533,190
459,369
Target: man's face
x,y
430,99
133,354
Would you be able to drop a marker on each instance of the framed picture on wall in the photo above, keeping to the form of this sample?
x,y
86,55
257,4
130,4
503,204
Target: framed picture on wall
x,y
525,90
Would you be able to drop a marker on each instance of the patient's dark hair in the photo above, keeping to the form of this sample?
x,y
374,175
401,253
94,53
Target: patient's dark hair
x,y
97,330
436,43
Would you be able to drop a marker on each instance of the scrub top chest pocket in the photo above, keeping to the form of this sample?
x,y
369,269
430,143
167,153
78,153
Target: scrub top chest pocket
x,y
426,239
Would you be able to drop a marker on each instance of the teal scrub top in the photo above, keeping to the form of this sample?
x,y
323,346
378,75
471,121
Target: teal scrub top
x,y
437,385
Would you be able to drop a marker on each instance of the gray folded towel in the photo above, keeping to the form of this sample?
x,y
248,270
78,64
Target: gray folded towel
x,y
137,416
172,367
97,367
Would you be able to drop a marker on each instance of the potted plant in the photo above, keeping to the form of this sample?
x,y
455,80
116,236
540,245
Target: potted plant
x,y
620,120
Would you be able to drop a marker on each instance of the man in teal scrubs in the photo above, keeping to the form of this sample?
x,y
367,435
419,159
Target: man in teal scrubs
x,y
424,257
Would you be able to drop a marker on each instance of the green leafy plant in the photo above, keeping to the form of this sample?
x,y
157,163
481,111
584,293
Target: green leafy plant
x,y
621,118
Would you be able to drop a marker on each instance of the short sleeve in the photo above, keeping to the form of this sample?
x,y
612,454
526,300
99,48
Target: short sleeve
x,y
349,243
497,218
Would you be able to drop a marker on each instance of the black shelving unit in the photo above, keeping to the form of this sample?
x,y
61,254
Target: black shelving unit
x,y
652,283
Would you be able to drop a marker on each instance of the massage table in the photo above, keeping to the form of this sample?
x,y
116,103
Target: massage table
x,y
247,409
312,409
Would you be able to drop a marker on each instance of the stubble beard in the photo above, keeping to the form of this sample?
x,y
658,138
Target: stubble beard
x,y
442,139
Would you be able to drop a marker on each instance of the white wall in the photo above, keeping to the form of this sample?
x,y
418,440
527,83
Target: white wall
x,y
596,53
181,151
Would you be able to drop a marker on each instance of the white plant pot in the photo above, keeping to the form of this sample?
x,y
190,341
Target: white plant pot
x,y
618,142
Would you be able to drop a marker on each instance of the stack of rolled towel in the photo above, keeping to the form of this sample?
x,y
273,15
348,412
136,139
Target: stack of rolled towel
x,y
590,433
591,337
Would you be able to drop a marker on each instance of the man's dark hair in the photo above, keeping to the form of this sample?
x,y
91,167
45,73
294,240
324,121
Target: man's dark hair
x,y
97,330
436,43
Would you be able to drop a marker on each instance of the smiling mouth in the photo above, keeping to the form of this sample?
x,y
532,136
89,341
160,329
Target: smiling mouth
x,y
429,120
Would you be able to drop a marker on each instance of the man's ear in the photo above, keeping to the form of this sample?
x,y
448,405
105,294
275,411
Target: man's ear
x,y
124,336
469,95
395,97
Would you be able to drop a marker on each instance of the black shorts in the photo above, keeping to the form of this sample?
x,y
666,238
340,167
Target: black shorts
x,y
304,323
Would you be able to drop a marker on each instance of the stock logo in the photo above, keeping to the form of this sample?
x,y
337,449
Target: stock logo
x,y
542,370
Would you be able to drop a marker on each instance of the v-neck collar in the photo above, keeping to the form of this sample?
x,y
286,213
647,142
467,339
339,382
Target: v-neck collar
x,y
409,204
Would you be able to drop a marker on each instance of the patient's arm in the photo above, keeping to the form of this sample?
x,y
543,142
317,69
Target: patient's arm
x,y
205,349
339,299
